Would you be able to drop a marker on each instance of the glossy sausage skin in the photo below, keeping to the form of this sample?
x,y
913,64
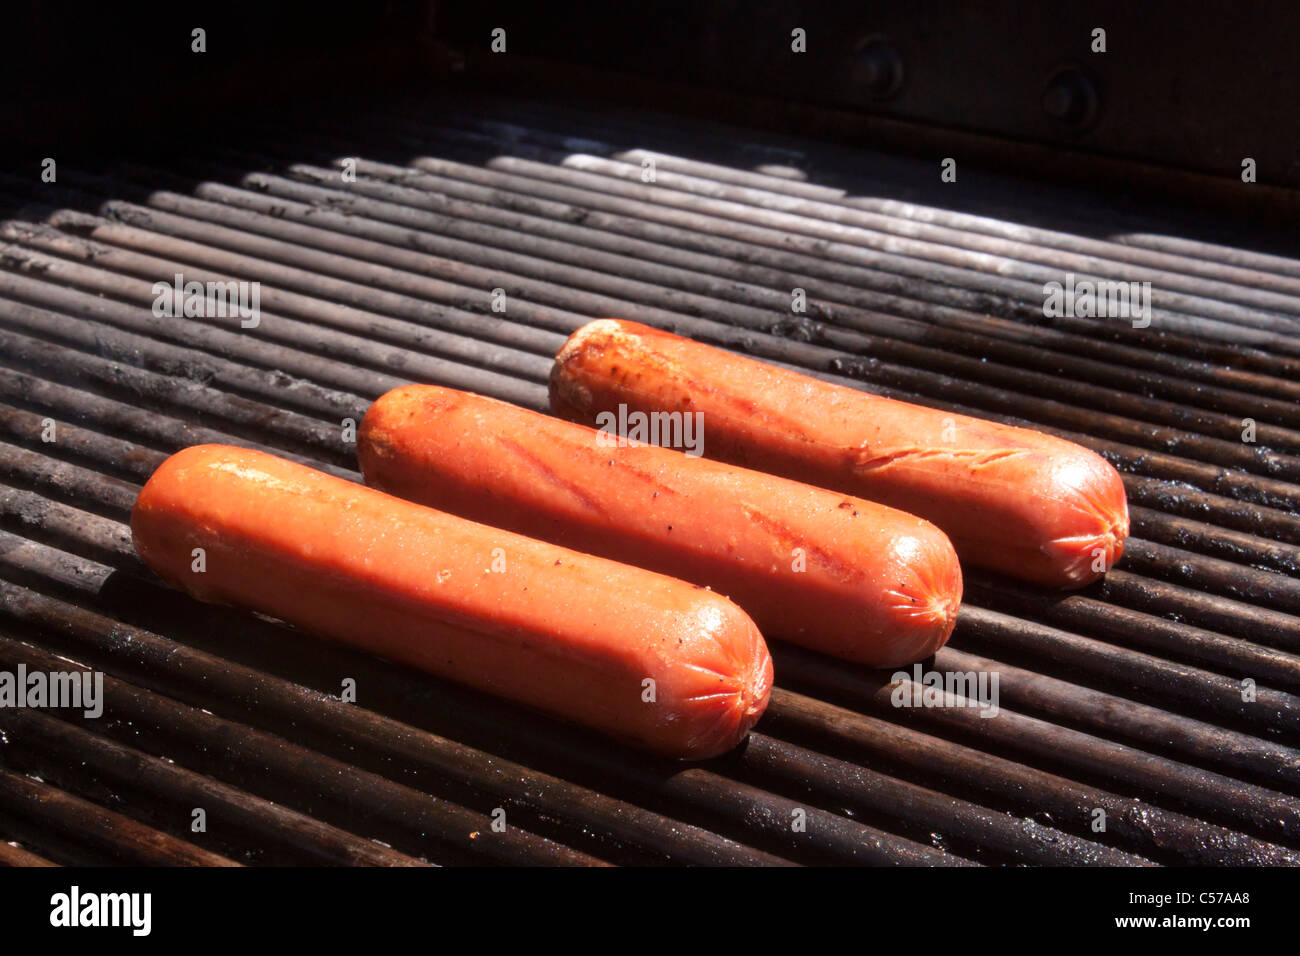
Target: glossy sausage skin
x,y
567,633
1011,499
844,576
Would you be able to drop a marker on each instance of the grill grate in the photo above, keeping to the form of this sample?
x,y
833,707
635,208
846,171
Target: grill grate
x,y
1124,698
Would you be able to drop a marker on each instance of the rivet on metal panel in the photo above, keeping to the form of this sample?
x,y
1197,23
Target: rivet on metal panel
x,y
1071,97
877,69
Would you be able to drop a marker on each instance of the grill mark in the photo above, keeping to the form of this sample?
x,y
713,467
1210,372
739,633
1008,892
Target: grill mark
x,y
846,572
551,476
863,460
619,456
645,476
745,408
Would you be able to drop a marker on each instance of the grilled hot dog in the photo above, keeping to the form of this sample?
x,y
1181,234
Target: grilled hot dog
x,y
845,576
571,634
1011,499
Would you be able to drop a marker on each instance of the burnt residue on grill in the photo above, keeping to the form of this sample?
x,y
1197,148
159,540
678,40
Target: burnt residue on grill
x,y
1151,718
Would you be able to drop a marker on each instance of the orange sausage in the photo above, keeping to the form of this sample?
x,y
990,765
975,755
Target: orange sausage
x,y
571,634
838,574
1011,499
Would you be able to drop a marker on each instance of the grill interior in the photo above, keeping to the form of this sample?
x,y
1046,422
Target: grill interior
x,y
1124,698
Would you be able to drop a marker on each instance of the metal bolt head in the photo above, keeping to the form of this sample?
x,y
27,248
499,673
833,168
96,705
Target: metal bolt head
x,y
877,70
1071,98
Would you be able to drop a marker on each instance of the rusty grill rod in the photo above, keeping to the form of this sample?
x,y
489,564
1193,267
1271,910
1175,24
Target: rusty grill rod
x,y
461,202
355,364
529,119
1257,487
1159,834
945,264
154,392
893,338
245,826
363,737
17,856
40,809
1214,541
1261,589
1127,611
203,680
277,769
1255,585
56,359
114,546
1211,450
1113,717
384,260
1021,243
838,839
1207,794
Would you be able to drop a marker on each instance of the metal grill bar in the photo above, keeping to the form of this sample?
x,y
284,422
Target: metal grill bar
x,y
208,681
1125,698
256,829
93,827
894,345
845,841
476,197
1129,229
12,855
363,737
1280,494
939,226
1233,580
1268,491
1160,834
1085,757
872,173
261,762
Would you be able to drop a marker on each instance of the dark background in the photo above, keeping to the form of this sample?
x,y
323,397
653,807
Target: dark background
x,y
1189,86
